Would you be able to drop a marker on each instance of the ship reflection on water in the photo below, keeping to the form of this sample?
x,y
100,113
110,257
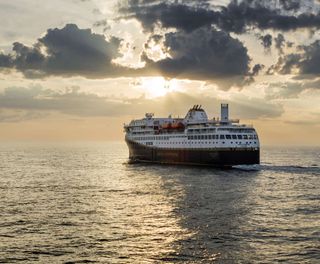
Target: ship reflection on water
x,y
85,203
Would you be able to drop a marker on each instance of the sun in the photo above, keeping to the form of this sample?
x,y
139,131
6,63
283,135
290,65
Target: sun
x,y
157,86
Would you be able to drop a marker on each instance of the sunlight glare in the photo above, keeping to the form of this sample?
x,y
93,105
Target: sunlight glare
x,y
157,86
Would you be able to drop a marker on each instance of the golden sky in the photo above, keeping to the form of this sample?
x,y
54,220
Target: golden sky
x,y
79,69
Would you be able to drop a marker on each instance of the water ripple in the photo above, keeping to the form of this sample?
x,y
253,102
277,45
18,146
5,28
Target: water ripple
x,y
85,204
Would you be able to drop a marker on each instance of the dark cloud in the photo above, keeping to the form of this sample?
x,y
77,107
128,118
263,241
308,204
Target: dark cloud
x,y
256,69
266,41
19,103
279,43
204,54
239,15
29,58
290,4
236,17
176,15
305,61
67,51
5,61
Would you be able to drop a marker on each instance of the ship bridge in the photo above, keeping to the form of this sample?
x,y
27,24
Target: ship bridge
x,y
196,115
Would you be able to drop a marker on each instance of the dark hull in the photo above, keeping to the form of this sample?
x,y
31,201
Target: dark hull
x,y
220,157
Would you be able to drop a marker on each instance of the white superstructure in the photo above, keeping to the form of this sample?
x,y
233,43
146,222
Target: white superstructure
x,y
195,131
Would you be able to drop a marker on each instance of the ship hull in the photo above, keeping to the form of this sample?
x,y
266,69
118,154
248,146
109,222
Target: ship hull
x,y
219,157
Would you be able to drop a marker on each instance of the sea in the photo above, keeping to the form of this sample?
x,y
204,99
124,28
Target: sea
x,y
84,203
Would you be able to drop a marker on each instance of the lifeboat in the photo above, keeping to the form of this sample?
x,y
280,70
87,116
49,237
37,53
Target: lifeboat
x,y
167,126
178,125
174,125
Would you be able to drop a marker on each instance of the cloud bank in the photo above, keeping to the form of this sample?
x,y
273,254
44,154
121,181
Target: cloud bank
x,y
237,16
203,54
196,37
38,102
66,52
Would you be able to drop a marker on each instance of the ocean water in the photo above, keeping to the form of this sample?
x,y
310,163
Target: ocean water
x,y
83,203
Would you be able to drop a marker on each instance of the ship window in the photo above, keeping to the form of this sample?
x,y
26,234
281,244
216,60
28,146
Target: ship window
x,y
245,137
222,137
234,137
239,136
250,136
209,136
202,136
228,137
205,137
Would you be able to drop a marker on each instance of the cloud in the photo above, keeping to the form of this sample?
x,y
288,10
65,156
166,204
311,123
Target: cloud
x,y
289,90
290,4
266,41
237,16
36,102
283,90
176,15
279,43
103,24
67,51
5,61
13,116
256,69
305,62
69,101
203,54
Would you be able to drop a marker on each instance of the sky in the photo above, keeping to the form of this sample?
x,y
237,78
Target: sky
x,y
79,69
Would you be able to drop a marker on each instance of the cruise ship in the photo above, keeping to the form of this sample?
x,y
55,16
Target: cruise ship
x,y
193,140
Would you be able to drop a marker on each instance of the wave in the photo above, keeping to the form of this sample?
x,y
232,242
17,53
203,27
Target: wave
x,y
314,168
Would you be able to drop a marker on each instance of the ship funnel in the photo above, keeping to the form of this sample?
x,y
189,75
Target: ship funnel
x,y
224,113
